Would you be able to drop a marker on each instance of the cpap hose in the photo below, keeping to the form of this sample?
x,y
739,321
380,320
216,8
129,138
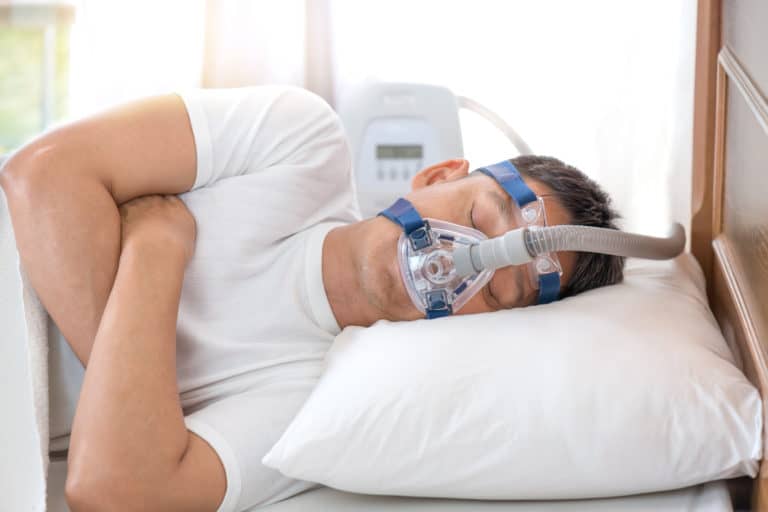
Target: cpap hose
x,y
521,246
497,121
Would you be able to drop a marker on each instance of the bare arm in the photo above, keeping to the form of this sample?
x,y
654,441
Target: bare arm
x,y
63,192
129,448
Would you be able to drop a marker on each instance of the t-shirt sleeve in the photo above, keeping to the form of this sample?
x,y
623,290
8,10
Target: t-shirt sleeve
x,y
241,429
291,138
250,129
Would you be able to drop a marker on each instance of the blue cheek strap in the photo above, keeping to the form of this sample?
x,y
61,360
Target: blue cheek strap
x,y
419,234
507,175
415,228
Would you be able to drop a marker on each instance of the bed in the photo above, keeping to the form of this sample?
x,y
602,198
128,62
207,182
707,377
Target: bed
x,y
729,235
729,238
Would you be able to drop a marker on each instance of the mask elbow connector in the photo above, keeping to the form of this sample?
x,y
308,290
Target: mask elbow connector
x,y
503,251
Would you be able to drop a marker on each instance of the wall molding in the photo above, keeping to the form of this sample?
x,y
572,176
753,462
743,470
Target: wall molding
x,y
751,93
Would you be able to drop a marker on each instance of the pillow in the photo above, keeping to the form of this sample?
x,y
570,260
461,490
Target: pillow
x,y
621,390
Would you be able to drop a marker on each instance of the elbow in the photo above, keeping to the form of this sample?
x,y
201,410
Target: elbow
x,y
92,488
27,171
95,495
88,489
82,496
76,497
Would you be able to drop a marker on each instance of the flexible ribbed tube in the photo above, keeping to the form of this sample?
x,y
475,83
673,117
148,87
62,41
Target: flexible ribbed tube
x,y
520,246
605,241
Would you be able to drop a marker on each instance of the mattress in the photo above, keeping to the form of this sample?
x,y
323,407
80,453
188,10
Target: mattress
x,y
710,497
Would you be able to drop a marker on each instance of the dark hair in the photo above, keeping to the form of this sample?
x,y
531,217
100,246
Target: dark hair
x,y
588,205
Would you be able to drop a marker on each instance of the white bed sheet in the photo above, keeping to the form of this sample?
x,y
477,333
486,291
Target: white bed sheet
x,y
710,497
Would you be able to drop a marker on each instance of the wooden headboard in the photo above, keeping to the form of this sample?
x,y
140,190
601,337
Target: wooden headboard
x,y
729,227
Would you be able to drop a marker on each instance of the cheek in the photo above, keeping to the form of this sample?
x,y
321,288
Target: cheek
x,y
444,201
476,304
377,265
487,219
506,286
512,286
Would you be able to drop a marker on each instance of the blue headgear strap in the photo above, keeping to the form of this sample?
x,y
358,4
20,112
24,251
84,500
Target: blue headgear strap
x,y
405,215
506,174
417,230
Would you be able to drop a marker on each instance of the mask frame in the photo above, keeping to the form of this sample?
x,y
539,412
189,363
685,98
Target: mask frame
x,y
427,273
426,245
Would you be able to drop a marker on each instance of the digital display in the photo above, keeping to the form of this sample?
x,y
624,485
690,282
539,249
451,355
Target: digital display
x,y
412,151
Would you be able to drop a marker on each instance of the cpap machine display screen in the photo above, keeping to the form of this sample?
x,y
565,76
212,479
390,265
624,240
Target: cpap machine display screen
x,y
399,152
398,162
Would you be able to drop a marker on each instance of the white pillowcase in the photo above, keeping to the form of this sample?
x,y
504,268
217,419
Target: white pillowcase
x,y
621,390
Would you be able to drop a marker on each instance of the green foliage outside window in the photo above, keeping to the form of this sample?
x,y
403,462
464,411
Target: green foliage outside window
x,y
22,60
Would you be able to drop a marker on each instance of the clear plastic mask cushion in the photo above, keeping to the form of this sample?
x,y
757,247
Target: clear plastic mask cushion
x,y
428,273
425,257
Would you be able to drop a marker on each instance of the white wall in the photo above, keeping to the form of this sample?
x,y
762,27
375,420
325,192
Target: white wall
x,y
606,86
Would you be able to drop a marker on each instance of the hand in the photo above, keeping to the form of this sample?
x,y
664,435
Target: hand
x,y
160,220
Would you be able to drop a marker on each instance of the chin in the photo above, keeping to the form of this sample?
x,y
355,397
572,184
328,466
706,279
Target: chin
x,y
381,281
384,288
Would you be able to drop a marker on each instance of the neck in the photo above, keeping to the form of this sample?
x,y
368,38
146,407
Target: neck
x,y
341,277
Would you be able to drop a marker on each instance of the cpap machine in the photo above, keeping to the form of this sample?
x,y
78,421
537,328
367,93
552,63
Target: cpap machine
x,y
396,130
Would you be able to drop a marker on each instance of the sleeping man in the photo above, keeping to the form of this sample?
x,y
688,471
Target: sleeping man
x,y
199,252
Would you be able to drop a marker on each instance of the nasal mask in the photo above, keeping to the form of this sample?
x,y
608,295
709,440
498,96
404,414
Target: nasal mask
x,y
443,265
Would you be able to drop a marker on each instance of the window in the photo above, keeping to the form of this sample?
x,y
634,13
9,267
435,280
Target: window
x,y
34,69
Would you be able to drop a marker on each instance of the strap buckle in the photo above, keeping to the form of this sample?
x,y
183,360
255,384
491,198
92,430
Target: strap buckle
x,y
421,237
437,304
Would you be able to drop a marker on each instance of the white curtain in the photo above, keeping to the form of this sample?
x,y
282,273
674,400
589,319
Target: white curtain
x,y
124,50
254,42
606,86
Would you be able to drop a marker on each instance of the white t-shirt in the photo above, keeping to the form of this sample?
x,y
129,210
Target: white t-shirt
x,y
273,177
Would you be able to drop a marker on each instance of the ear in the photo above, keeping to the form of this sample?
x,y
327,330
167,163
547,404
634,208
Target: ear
x,y
444,171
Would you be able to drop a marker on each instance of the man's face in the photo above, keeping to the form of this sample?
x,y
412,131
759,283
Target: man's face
x,y
439,192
